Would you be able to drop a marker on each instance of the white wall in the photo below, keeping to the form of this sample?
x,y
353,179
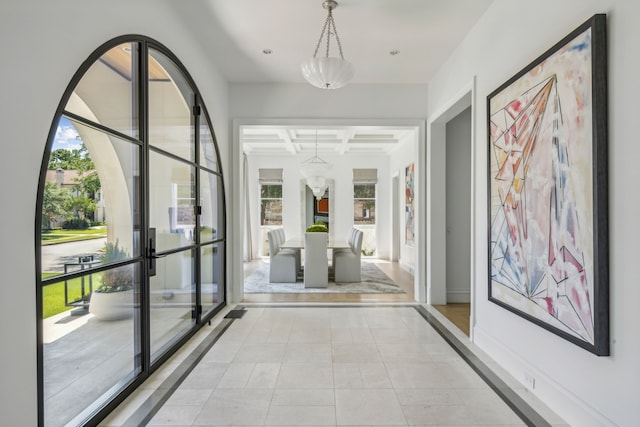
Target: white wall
x,y
401,157
350,102
42,44
342,174
584,389
458,195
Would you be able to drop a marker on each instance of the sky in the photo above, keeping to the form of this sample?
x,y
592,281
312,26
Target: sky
x,y
67,136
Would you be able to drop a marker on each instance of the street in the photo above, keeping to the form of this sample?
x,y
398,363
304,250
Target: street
x,y
55,256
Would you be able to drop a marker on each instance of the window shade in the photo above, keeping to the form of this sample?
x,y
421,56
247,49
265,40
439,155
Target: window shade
x,y
270,176
365,176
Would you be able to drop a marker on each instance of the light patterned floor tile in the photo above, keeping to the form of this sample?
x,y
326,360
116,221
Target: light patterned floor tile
x,y
235,407
303,397
264,375
305,375
301,415
373,366
170,415
368,407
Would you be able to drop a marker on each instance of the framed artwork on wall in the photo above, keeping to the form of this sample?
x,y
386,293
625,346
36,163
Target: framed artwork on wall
x,y
322,206
409,205
547,173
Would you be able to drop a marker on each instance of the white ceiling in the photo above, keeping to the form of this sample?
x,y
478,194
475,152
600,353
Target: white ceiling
x,y
424,31
235,32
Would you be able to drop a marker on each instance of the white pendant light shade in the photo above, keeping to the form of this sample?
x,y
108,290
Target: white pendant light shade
x,y
315,167
327,72
315,171
318,185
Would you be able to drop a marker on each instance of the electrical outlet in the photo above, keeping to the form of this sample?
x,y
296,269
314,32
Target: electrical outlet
x,y
530,381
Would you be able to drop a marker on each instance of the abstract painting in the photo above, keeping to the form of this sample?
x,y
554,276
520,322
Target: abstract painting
x,y
547,141
409,206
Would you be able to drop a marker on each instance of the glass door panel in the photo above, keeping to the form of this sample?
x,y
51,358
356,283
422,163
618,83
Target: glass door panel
x,y
212,217
107,92
172,299
212,265
170,113
171,201
86,360
105,192
208,155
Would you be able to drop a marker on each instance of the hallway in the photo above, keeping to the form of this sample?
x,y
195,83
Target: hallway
x,y
328,365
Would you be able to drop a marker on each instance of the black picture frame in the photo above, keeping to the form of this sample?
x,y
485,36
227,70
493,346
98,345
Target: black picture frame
x,y
548,231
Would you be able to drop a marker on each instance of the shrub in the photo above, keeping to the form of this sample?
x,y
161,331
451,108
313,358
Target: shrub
x,y
116,279
76,224
317,228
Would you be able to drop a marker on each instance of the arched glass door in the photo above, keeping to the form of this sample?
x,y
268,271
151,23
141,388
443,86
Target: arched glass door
x,y
131,219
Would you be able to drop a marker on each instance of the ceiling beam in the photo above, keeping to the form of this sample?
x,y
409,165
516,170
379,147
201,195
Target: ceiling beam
x,y
288,143
347,135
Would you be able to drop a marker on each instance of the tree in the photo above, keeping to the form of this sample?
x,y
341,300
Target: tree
x,y
88,184
79,206
78,203
76,159
53,202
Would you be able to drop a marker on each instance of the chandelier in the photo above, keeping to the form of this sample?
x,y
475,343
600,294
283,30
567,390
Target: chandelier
x,y
328,72
315,171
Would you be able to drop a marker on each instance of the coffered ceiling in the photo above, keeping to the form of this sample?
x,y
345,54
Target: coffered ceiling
x,y
282,140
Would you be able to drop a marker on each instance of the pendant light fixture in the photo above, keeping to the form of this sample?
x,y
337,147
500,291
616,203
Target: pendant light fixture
x,y
328,72
315,170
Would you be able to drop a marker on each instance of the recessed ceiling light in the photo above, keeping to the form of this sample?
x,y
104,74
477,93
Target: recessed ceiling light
x,y
267,51
394,52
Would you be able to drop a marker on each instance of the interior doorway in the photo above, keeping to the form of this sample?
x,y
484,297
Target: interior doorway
x,y
317,210
458,220
347,145
450,229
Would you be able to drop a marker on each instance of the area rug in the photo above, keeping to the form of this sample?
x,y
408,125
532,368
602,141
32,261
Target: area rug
x,y
374,281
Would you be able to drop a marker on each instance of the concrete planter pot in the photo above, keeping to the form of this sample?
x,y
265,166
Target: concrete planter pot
x,y
111,305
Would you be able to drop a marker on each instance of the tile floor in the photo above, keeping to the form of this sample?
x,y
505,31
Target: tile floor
x,y
332,366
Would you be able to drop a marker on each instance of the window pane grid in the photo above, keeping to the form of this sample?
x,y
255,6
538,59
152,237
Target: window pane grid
x,y
270,204
364,204
107,107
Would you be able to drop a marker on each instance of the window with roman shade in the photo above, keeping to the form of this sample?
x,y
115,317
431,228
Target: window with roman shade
x,y
270,196
364,196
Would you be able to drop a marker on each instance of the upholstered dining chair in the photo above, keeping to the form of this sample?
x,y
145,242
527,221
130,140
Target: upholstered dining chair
x,y
316,262
346,264
350,238
281,240
283,266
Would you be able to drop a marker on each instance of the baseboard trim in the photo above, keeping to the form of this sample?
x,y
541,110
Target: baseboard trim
x,y
406,267
559,399
458,296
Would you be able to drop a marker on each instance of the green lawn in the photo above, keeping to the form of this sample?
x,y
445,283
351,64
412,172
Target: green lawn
x,y
53,295
60,236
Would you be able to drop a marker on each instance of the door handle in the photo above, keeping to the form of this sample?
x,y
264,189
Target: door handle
x,y
151,252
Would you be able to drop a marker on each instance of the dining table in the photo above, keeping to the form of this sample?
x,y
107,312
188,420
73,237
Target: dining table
x,y
298,243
